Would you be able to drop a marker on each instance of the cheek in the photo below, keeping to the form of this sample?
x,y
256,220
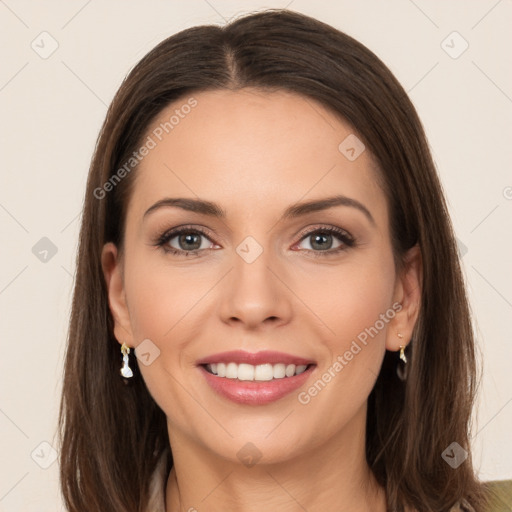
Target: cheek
x,y
350,297
356,306
354,356
160,298
162,304
366,296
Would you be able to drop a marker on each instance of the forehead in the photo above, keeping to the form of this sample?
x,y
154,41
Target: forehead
x,y
247,148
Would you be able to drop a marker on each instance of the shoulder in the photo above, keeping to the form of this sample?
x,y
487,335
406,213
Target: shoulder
x,y
462,506
500,495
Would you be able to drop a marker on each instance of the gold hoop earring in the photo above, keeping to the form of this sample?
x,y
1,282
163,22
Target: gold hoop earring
x,y
126,371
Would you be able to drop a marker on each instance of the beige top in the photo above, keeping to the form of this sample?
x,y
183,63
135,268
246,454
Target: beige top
x,y
156,501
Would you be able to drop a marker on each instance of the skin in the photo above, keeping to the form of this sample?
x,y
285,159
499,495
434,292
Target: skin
x,y
255,154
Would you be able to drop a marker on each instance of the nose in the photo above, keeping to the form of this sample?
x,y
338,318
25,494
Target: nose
x,y
255,293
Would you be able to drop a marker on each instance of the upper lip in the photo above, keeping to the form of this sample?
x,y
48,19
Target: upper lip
x,y
254,358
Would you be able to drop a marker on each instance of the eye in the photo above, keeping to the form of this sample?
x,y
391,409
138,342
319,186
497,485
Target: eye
x,y
321,240
189,243
188,240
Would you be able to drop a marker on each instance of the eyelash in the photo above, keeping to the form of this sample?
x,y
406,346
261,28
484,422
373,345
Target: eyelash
x,y
347,240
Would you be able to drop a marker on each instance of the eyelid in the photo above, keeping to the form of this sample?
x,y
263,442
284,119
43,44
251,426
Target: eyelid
x,y
171,233
328,229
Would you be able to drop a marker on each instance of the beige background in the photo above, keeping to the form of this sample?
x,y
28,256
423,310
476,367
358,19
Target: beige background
x,y
52,109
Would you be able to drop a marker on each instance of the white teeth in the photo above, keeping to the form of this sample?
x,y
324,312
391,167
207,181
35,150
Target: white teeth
x,y
231,371
260,372
290,370
279,371
221,369
264,372
300,369
245,372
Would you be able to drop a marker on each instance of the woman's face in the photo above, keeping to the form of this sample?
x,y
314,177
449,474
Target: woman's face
x,y
255,280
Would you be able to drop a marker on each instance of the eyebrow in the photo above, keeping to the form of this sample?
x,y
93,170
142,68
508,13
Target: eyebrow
x,y
214,210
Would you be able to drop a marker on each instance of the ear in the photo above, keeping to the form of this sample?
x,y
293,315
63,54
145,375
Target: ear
x,y
112,265
407,292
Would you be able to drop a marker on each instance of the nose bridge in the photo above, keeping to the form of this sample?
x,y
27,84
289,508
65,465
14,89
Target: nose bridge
x,y
254,292
252,263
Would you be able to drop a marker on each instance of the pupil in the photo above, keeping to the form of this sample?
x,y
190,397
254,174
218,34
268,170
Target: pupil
x,y
320,246
187,238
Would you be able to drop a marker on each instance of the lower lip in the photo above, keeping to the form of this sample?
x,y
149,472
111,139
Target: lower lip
x,y
256,392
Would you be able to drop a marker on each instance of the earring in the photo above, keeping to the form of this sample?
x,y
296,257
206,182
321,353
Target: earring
x,y
402,354
401,369
126,371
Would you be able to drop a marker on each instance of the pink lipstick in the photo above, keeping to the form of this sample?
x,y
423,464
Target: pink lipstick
x,y
255,378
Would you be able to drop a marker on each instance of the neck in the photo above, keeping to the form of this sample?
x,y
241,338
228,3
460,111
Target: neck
x,y
332,476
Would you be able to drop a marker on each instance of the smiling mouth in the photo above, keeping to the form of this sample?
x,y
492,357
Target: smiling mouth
x,y
258,373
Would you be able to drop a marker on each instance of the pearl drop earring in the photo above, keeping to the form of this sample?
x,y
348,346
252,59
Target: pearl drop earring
x,y
126,371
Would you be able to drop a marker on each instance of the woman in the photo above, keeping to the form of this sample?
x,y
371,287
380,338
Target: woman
x,y
267,258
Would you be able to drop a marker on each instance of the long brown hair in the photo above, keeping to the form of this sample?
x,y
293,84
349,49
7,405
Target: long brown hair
x,y
112,435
